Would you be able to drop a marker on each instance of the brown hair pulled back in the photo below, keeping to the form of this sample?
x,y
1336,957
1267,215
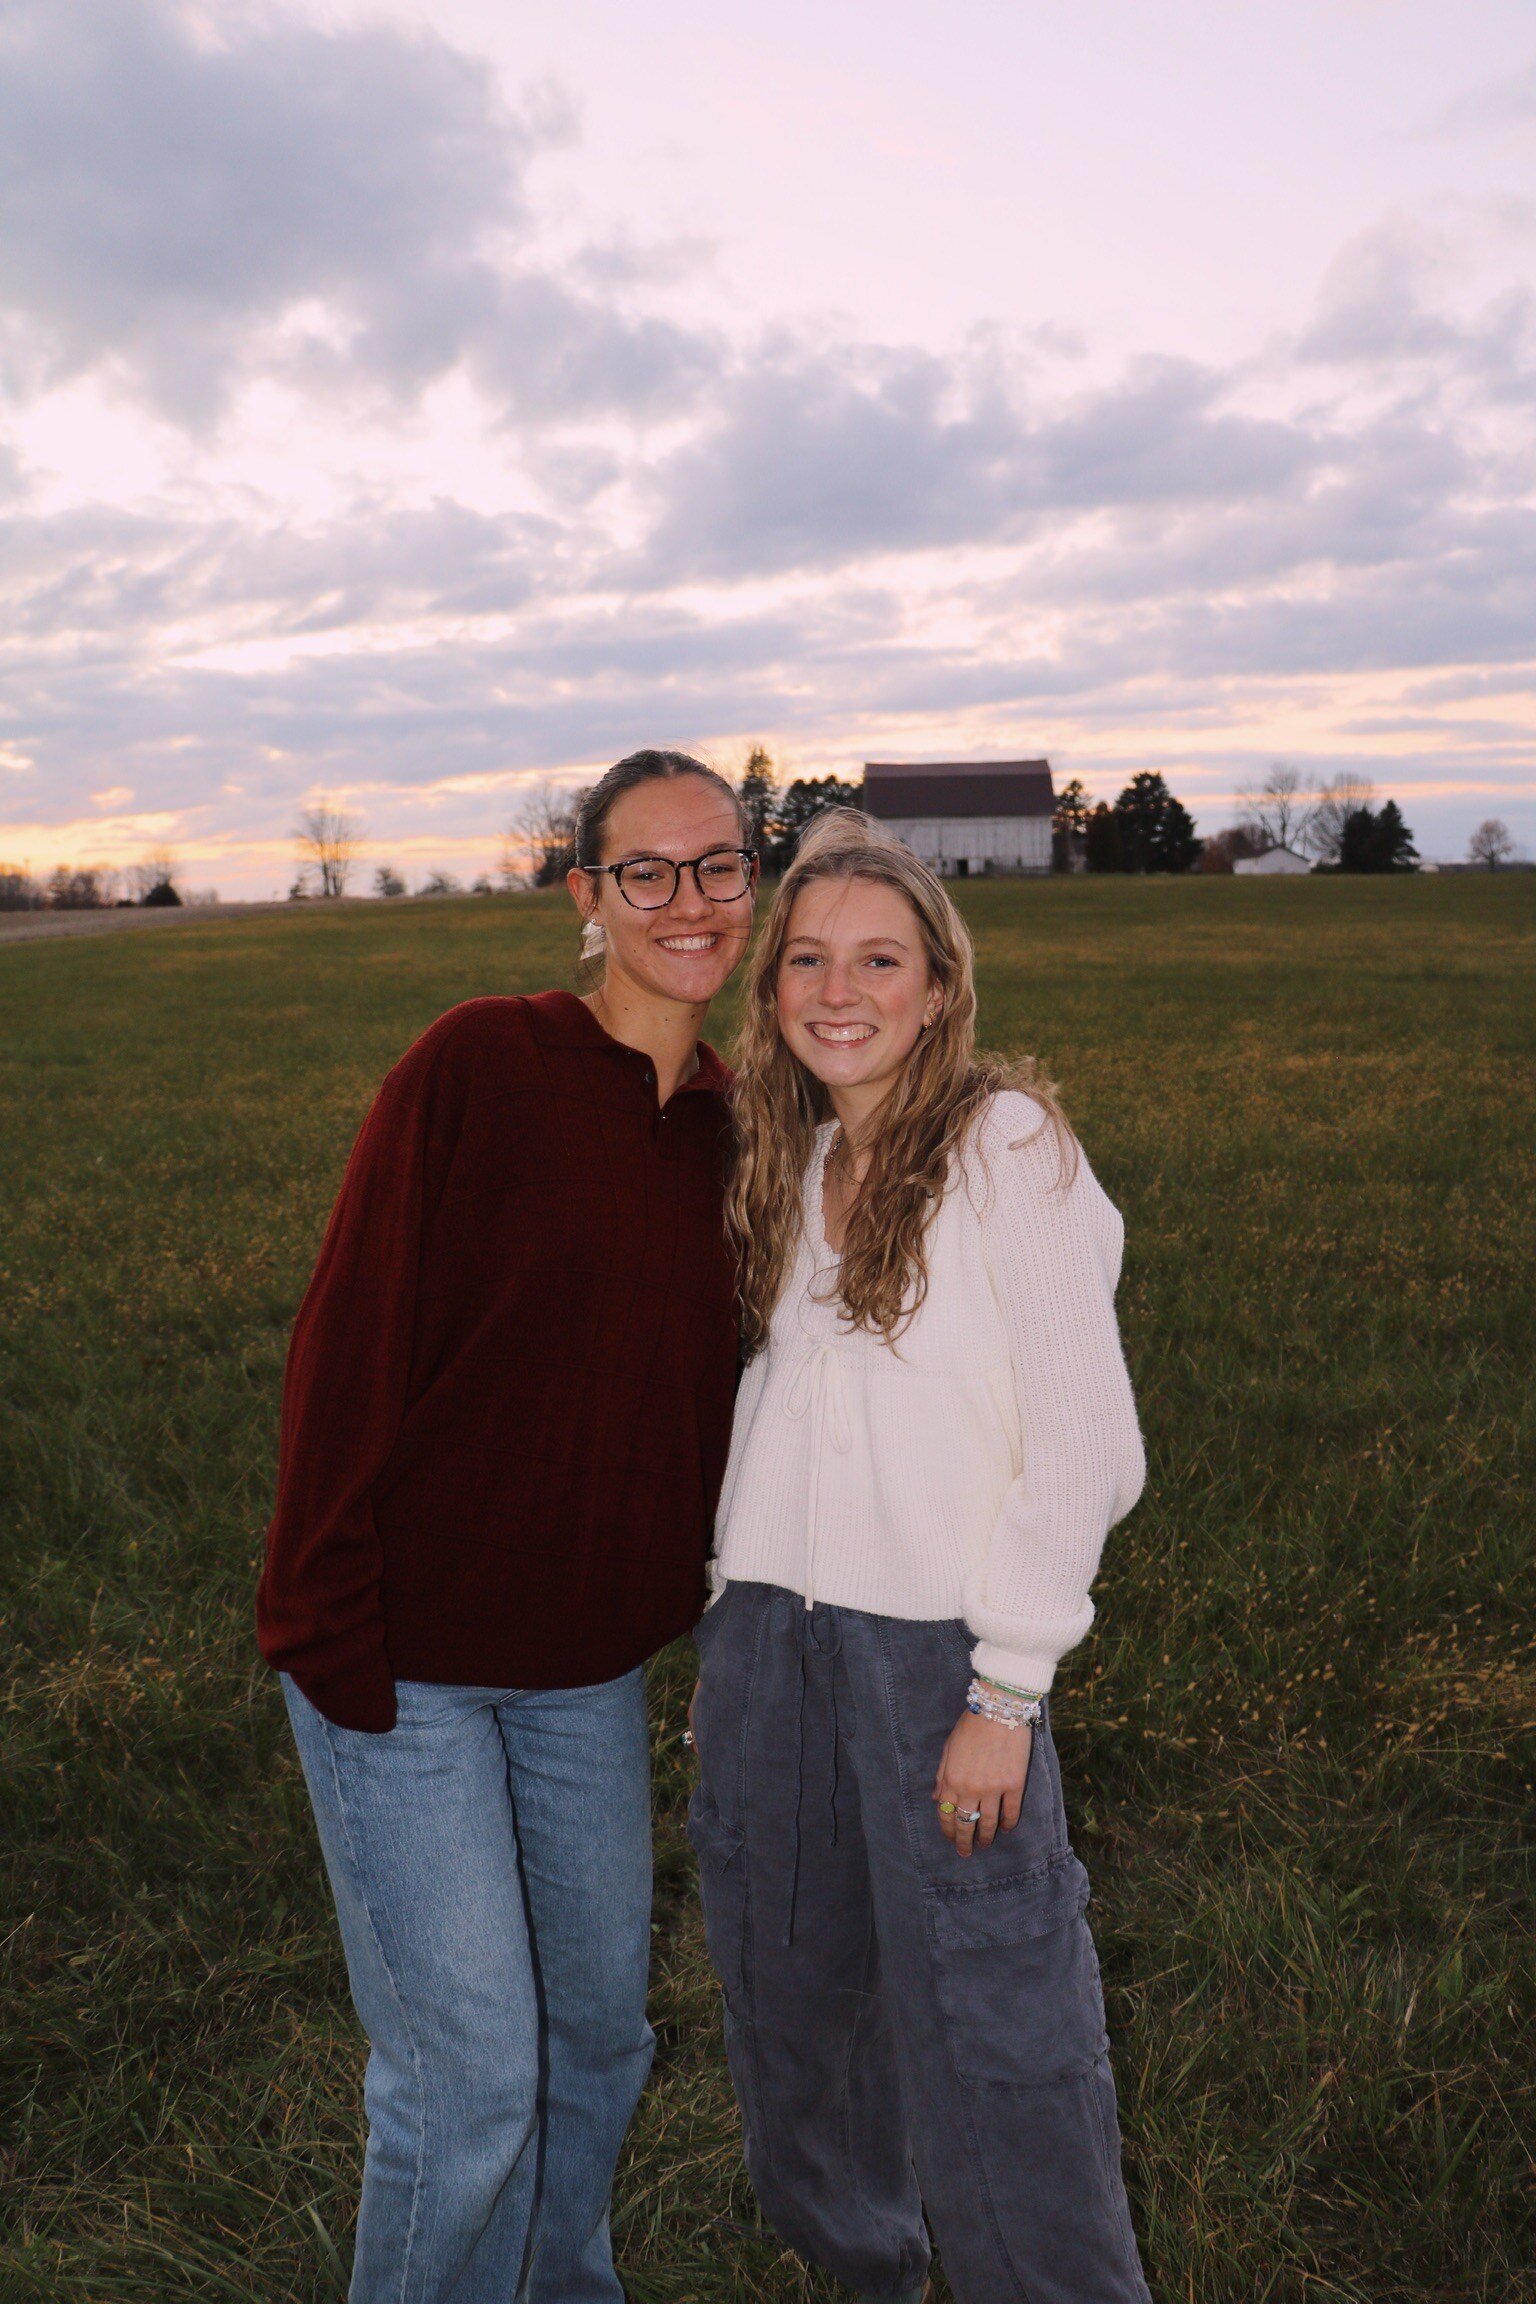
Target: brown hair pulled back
x,y
597,804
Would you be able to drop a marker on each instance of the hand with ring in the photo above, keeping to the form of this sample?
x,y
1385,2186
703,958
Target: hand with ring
x,y
979,1791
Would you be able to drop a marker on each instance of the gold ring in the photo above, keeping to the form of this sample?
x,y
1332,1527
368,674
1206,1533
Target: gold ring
x,y
946,1807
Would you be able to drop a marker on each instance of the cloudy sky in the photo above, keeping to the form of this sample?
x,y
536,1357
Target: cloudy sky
x,y
404,403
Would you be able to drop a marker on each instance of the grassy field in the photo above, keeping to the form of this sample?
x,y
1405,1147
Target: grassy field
x,y
1299,1749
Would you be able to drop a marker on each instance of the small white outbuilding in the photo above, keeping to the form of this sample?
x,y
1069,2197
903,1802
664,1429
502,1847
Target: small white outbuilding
x,y
1273,860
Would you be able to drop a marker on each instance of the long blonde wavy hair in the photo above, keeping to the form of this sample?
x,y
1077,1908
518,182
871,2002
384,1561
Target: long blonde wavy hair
x,y
922,1124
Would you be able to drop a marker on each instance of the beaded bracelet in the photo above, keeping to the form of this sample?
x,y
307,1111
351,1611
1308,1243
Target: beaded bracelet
x,y
1009,1710
1030,1695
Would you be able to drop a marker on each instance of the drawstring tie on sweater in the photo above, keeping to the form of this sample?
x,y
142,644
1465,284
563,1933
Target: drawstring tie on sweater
x,y
817,1390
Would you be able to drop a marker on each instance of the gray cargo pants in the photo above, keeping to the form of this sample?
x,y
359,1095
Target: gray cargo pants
x,y
907,2030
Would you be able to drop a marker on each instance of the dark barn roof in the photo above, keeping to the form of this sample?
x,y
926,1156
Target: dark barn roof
x,y
958,788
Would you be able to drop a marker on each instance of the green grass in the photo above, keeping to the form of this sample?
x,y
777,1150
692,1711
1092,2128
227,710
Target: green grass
x,y
1299,1748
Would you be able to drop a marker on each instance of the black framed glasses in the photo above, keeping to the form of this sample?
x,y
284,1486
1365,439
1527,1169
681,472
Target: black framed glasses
x,y
651,882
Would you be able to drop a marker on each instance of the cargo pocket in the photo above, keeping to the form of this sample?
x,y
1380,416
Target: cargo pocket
x,y
1017,1977
720,1848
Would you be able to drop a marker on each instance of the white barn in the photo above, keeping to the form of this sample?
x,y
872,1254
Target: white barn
x,y
966,816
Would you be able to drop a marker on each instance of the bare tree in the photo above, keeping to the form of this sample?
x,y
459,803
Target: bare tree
x,y
327,841
540,845
1279,813
1225,849
1492,843
86,888
153,879
512,863
1338,800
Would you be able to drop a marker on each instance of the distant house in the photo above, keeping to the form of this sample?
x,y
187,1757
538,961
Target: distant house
x,y
1273,860
966,816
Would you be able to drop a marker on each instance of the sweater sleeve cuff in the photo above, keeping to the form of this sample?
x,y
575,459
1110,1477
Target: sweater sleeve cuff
x,y
1018,1668
360,1694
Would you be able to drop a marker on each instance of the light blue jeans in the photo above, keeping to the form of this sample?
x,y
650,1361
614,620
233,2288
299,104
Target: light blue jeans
x,y
491,1863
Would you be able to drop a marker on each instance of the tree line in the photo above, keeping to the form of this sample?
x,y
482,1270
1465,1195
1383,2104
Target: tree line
x,y
1336,826
154,881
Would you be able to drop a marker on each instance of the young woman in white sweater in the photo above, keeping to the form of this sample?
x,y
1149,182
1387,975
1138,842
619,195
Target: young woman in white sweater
x,y
933,1435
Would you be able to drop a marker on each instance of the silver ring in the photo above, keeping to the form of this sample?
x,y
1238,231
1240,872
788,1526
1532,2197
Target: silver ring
x,y
967,1815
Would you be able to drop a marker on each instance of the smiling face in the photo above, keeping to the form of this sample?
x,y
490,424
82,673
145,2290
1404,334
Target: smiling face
x,y
855,990
685,951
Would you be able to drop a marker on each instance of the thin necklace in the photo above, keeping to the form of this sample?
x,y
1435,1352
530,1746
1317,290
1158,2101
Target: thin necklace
x,y
843,1156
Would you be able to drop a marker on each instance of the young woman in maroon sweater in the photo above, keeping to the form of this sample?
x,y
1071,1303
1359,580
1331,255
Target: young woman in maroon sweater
x,y
505,1419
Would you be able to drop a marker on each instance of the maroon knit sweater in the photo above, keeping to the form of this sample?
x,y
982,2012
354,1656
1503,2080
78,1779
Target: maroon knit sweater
x,y
508,1394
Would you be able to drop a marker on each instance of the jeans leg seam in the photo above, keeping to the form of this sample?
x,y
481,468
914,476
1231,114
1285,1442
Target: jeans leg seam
x,y
359,1875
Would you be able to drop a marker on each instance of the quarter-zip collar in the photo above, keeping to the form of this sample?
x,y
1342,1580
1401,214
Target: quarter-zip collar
x,y
560,1020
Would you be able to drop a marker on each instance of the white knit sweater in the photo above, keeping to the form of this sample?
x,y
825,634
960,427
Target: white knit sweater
x,y
972,1469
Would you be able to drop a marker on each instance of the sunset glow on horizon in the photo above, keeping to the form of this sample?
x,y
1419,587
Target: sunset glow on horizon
x,y
409,406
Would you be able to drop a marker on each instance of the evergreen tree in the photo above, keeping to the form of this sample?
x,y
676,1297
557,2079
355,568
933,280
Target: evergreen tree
x,y
1338,800
1357,841
806,799
1395,851
1069,824
1179,844
1102,843
758,792
1157,832
1376,841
